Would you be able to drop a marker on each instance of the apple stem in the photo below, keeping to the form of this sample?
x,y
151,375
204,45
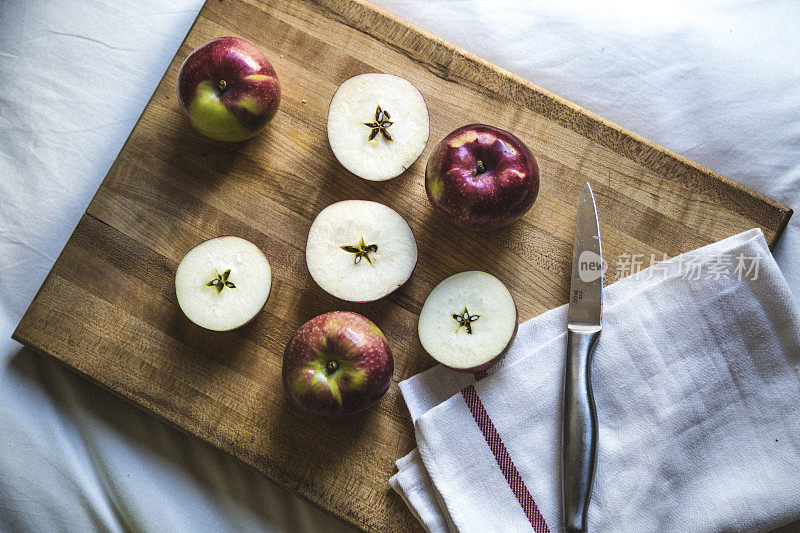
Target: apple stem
x,y
331,366
222,85
480,168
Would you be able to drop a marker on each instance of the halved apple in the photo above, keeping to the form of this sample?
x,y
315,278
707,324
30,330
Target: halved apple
x,y
377,125
468,321
223,283
360,251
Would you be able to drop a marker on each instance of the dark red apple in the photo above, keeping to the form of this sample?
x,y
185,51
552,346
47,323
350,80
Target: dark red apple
x,y
228,89
336,364
482,177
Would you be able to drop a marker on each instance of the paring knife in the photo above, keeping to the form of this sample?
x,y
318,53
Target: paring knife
x,y
579,422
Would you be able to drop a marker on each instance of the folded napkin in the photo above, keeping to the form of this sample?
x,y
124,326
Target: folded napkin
x,y
697,385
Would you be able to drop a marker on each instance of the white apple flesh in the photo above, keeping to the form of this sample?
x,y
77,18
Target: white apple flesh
x,y
360,251
377,125
223,283
468,321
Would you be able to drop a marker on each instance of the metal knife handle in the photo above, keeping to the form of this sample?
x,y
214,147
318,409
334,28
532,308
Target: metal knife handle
x,y
579,430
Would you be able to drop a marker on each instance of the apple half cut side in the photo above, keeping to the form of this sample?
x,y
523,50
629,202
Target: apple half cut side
x,y
468,321
360,251
223,283
378,125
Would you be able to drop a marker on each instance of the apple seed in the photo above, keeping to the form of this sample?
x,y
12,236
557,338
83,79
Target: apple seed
x,y
379,126
361,251
465,320
221,281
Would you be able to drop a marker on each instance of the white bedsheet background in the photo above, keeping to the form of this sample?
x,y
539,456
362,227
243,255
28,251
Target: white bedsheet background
x,y
718,82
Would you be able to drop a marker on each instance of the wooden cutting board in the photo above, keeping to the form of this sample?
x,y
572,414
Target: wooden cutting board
x,y
108,307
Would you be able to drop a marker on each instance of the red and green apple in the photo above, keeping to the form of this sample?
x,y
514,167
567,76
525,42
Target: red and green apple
x,y
337,363
482,177
228,89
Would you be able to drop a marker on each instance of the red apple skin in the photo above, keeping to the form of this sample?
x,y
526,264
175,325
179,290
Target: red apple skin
x,y
482,177
357,349
241,106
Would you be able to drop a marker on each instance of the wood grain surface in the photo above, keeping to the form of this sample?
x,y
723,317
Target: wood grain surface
x,y
108,307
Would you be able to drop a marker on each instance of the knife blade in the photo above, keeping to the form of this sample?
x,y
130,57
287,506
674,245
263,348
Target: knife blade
x,y
579,416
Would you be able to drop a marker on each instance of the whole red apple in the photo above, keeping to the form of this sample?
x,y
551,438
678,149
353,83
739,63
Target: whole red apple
x,y
482,177
336,364
228,89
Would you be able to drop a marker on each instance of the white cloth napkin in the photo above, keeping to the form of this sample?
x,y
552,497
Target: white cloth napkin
x,y
697,385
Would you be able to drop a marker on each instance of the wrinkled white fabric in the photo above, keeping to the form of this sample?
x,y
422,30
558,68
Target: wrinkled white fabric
x,y
718,82
696,383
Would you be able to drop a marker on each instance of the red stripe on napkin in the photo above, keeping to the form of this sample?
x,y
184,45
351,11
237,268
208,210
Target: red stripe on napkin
x,y
504,460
